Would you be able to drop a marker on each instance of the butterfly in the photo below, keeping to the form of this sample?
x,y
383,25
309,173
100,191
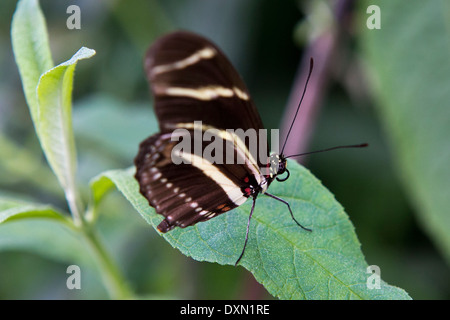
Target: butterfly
x,y
197,90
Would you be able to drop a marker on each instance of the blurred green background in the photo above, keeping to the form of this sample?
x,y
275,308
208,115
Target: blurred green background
x,y
266,41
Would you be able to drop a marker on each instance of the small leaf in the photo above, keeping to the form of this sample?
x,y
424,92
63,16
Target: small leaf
x,y
55,117
99,186
31,49
104,182
290,262
55,122
12,210
40,229
48,94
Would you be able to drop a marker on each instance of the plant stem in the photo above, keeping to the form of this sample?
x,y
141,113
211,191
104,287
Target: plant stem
x,y
112,277
323,49
74,202
110,273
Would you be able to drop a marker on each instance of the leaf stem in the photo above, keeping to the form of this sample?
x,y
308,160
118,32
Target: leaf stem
x,y
75,206
114,282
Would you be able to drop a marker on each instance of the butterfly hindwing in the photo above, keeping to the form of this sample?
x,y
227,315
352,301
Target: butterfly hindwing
x,y
184,193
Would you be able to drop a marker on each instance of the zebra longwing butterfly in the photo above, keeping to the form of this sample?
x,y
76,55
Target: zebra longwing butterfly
x,y
192,80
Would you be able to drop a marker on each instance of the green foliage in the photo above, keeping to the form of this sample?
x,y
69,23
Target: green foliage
x,y
52,117
42,229
31,49
409,70
290,262
49,94
54,125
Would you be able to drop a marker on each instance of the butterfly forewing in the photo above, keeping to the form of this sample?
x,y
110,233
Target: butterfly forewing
x,y
191,79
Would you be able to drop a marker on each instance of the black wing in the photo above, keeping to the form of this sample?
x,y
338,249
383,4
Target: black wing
x,y
192,80
185,194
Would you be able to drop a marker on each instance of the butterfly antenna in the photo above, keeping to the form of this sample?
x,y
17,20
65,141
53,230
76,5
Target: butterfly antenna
x,y
311,64
362,145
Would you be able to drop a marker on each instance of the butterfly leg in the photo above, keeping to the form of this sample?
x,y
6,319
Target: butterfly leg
x,y
289,207
248,228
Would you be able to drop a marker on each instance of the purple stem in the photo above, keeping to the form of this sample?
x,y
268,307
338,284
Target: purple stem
x,y
322,49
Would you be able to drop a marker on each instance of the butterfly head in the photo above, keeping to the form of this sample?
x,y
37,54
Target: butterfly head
x,y
277,167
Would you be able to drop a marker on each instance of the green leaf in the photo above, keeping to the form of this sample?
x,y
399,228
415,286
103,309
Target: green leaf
x,y
31,49
290,262
103,183
55,122
40,229
48,94
408,64
12,210
99,186
55,117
